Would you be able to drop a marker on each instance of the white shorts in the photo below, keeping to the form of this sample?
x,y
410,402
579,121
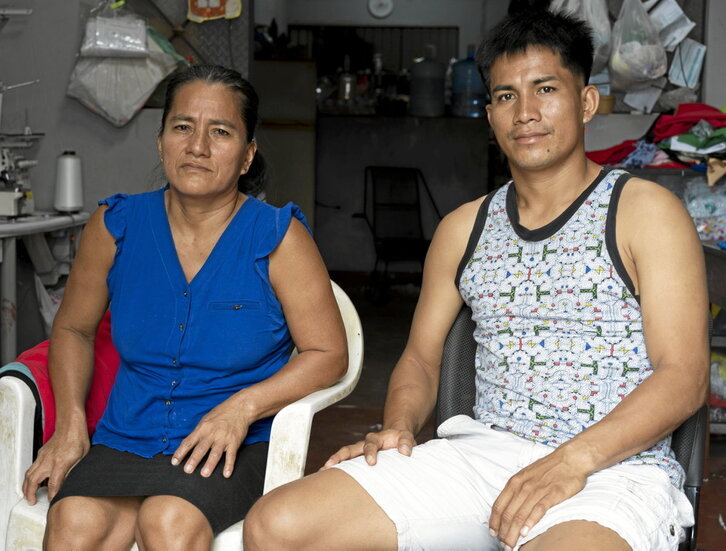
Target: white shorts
x,y
441,496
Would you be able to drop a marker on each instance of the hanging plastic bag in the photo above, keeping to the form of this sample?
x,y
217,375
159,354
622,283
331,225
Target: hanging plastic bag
x,y
48,303
637,55
595,13
117,87
112,30
573,7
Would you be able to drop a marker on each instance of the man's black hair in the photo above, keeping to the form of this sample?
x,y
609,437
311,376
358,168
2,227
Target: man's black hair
x,y
562,33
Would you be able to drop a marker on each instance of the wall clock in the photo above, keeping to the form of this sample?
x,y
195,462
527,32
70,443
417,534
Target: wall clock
x,y
380,8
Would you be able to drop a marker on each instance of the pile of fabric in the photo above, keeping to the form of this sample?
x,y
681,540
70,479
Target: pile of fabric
x,y
694,137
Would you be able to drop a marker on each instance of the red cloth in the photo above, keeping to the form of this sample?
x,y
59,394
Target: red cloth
x,y
716,402
105,366
687,115
612,155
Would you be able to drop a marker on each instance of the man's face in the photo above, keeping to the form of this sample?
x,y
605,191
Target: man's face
x,y
538,109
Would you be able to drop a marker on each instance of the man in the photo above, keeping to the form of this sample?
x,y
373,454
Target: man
x,y
588,291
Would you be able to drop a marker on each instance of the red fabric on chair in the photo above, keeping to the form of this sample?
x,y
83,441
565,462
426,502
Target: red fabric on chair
x,y
106,361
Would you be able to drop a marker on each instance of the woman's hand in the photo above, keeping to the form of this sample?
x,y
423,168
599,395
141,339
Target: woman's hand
x,y
221,431
54,460
403,440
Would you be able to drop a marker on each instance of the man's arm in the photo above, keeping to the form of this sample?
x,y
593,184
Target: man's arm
x,y
663,255
414,382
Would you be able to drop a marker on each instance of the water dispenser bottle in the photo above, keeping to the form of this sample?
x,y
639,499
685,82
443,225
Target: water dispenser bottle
x,y
468,95
427,86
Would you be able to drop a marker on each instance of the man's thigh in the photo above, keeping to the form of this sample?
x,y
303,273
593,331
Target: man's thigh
x,y
575,535
441,496
635,503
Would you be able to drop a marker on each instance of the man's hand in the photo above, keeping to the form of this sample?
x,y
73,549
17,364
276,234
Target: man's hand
x,y
374,442
531,492
54,460
221,431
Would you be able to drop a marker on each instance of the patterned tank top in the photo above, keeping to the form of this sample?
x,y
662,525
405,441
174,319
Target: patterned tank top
x,y
558,326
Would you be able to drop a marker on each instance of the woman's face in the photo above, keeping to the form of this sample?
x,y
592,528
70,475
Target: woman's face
x,y
204,147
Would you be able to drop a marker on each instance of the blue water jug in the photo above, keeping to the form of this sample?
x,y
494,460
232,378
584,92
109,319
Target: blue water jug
x,y
468,95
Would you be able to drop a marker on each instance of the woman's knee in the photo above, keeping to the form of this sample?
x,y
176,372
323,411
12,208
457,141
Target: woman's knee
x,y
86,523
168,522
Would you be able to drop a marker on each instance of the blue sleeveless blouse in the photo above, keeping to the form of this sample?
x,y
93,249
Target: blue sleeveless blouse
x,y
185,347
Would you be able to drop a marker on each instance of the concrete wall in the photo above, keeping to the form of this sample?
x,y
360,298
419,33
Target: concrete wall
x,y
44,46
471,16
714,73
451,153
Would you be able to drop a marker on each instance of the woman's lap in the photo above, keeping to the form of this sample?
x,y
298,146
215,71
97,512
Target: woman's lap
x,y
106,472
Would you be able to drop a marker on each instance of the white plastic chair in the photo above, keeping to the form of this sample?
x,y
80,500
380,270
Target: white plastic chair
x,y
22,526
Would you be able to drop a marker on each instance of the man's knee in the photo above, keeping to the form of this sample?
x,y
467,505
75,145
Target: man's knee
x,y
274,522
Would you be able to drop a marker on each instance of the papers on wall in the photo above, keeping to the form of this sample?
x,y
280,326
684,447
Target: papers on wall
x,y
644,99
686,64
602,82
673,25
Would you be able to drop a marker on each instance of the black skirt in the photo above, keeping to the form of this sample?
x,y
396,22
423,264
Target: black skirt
x,y
106,472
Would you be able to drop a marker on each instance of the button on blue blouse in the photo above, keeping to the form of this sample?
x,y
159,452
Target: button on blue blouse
x,y
187,346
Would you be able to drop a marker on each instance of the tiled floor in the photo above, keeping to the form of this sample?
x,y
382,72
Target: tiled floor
x,y
385,332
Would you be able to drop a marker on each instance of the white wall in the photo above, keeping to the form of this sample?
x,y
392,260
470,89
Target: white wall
x,y
471,16
43,45
714,76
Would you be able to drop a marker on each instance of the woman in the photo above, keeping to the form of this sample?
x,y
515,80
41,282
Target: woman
x,y
208,287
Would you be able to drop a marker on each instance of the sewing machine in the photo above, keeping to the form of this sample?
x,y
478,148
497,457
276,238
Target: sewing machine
x,y
16,196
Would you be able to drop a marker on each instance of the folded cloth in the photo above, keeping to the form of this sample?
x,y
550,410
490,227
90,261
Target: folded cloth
x,y
612,155
105,366
686,116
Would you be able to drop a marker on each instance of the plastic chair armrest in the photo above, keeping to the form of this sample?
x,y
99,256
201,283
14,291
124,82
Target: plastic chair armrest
x,y
17,410
291,432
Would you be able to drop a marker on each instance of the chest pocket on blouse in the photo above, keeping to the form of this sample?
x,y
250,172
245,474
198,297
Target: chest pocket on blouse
x,y
242,305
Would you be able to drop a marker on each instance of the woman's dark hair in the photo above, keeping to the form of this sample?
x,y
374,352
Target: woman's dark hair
x,y
253,181
562,33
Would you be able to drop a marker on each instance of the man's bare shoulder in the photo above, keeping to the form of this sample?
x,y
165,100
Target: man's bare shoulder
x,y
644,198
452,234
462,218
651,218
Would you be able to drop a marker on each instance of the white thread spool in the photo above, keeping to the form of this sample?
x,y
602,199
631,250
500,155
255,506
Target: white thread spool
x,y
69,183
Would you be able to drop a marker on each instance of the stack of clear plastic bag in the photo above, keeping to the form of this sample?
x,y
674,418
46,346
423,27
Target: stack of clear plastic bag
x,y
117,87
112,30
637,56
707,206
